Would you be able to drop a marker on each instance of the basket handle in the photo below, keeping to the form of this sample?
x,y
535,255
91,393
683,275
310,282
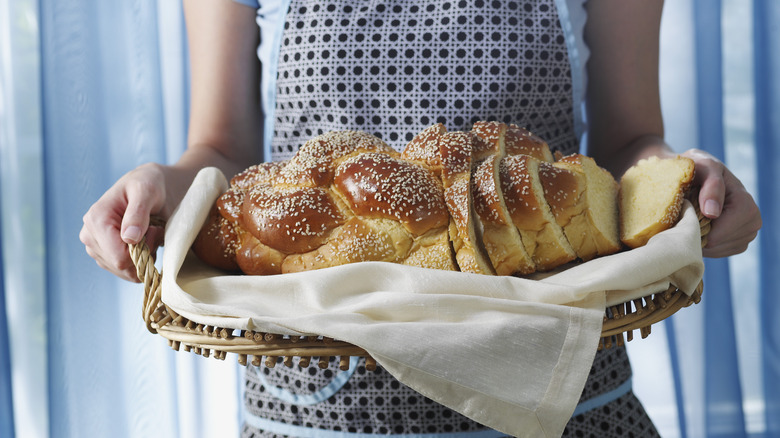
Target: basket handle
x,y
143,259
651,309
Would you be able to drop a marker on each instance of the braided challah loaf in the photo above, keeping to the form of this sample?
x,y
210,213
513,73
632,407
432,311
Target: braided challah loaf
x,y
345,197
491,200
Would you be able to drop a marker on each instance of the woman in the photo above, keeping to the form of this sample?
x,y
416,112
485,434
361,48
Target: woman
x,y
393,68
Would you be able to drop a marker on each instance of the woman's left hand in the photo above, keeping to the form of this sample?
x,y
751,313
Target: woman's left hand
x,y
722,198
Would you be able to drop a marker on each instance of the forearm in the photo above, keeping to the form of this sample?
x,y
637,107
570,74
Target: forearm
x,y
179,176
623,104
226,123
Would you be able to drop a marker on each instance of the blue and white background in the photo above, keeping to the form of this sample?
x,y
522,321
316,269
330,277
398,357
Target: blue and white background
x,y
89,90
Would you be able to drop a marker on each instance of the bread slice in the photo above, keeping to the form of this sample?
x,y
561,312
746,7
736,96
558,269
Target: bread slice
x,y
583,198
651,197
504,139
520,141
456,156
543,238
501,238
499,235
488,140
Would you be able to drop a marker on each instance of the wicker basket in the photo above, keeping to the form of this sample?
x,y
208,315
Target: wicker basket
x,y
267,348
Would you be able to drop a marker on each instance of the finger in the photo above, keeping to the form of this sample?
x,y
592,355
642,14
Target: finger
x,y
725,250
729,236
737,226
100,234
123,269
719,241
142,200
116,259
712,188
709,179
735,223
85,237
129,274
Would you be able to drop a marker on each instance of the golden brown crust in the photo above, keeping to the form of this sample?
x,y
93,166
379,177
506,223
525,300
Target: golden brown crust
x,y
358,240
263,173
291,219
563,190
542,236
345,197
521,201
502,241
255,258
216,243
433,250
450,201
457,198
592,226
489,139
230,204
424,148
381,186
456,149
315,162
488,203
520,141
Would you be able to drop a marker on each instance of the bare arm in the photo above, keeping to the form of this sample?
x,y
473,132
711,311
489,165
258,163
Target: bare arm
x,y
225,131
624,107
625,122
225,127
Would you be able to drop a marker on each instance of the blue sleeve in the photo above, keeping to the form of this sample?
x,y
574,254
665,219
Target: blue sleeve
x,y
251,3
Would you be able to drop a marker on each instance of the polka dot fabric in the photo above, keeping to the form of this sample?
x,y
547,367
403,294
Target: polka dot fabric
x,y
394,68
371,402
622,417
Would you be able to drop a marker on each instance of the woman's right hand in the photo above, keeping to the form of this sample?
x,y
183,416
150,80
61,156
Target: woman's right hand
x,y
121,217
225,131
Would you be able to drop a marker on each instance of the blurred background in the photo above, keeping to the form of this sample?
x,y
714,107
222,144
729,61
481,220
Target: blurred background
x,y
90,90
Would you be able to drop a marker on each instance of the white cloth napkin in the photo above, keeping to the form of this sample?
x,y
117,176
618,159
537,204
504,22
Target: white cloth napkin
x,y
510,353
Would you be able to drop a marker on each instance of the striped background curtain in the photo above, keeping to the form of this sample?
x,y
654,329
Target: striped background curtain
x,y
6,400
721,355
89,90
767,94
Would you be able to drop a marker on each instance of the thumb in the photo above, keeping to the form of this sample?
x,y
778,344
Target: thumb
x,y
140,204
712,186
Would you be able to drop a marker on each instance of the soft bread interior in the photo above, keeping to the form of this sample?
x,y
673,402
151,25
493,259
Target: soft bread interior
x,y
543,238
456,154
501,238
592,226
651,196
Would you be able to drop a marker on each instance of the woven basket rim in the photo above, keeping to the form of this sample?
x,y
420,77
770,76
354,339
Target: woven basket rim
x,y
251,347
